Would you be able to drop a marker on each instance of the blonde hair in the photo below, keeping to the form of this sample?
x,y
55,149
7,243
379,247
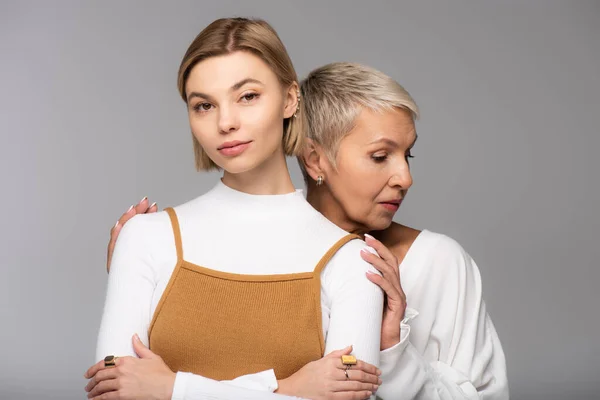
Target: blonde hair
x,y
228,35
334,94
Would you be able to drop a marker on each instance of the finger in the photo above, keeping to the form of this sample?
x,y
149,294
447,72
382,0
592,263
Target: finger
x,y
339,353
380,264
366,367
390,290
351,385
152,209
114,395
140,349
114,233
382,250
103,387
389,273
127,215
94,369
356,375
365,394
142,206
102,375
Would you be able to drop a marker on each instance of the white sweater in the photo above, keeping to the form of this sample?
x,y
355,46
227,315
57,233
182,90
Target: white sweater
x,y
235,232
449,348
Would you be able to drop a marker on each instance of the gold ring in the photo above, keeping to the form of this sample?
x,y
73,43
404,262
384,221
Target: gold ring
x,y
348,360
110,361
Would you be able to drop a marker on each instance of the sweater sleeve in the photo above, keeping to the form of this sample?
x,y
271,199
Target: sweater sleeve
x,y
127,310
355,304
463,358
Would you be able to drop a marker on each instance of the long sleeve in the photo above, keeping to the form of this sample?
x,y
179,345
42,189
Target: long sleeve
x,y
131,286
451,350
355,304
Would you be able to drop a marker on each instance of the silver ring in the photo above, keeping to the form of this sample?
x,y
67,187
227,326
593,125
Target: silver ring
x,y
346,372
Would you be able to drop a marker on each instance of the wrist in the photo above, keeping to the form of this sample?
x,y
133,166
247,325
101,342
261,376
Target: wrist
x,y
390,340
169,385
283,387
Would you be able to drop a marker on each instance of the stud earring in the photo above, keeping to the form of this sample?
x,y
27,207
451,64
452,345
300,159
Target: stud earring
x,y
319,180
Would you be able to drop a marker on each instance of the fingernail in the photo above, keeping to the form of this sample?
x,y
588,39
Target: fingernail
x,y
376,387
145,198
153,204
136,337
369,236
130,208
379,373
117,224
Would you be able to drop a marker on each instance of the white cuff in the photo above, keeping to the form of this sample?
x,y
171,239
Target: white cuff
x,y
264,381
181,379
388,358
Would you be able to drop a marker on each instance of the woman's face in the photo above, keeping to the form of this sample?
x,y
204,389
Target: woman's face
x,y
372,173
236,107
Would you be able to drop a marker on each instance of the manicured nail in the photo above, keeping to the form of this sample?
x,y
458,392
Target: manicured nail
x,y
130,208
145,198
117,224
136,337
379,373
153,204
369,236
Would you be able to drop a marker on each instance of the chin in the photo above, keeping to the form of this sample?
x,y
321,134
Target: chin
x,y
379,224
238,165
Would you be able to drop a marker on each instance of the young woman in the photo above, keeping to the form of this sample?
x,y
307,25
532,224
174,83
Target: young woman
x,y
361,128
247,277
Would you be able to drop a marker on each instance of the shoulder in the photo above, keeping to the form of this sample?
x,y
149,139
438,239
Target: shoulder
x,y
442,259
145,232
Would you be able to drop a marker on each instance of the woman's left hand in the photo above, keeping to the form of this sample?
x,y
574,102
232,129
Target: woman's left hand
x,y
395,299
147,377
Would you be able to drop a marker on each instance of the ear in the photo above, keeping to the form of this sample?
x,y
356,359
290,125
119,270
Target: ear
x,y
314,159
291,100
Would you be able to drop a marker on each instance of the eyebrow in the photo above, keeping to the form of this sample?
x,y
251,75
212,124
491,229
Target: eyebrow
x,y
392,143
233,88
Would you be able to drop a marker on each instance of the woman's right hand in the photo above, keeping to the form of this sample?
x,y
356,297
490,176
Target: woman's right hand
x,y
142,207
325,379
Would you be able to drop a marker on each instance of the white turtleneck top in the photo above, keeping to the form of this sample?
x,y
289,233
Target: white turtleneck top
x,y
231,231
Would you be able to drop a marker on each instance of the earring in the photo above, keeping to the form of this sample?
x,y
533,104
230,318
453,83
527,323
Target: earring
x,y
319,180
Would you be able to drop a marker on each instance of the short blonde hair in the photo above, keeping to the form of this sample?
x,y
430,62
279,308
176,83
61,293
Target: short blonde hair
x,y
228,35
334,94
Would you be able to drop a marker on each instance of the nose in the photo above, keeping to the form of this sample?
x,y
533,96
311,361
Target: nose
x,y
228,120
401,177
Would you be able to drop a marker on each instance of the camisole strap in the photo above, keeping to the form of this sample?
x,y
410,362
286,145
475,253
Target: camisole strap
x,y
176,232
331,252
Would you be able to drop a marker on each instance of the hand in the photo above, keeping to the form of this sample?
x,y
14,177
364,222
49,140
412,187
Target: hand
x,y
147,377
141,208
325,379
394,305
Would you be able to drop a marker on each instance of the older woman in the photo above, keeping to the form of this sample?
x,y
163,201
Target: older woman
x,y
360,125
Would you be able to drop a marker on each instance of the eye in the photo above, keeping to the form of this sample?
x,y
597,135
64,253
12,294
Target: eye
x,y
248,97
202,107
408,154
379,158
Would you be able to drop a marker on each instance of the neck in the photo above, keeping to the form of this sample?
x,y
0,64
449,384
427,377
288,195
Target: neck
x,y
323,201
271,177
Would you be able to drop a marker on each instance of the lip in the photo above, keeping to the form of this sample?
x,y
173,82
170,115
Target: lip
x,y
233,148
391,205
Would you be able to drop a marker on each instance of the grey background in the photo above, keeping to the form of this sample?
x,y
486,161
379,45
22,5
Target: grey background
x,y
506,162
